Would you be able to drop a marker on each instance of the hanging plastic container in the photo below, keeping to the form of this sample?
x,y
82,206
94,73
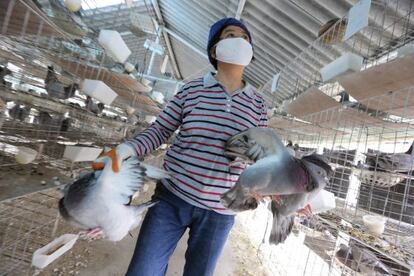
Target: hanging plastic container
x,y
374,224
345,64
158,97
42,257
322,202
25,155
129,67
150,119
98,90
81,154
115,46
73,5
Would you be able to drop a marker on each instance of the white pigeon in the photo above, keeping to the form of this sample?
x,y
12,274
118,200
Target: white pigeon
x,y
100,201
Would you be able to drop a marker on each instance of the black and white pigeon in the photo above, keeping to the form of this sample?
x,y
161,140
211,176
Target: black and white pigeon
x,y
19,112
361,259
93,107
390,162
291,182
100,201
56,89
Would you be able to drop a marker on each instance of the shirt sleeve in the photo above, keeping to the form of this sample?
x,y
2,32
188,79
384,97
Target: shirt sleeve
x,y
263,117
167,122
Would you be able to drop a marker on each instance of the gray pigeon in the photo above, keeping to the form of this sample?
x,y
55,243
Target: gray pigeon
x,y
390,162
57,89
93,107
361,259
276,173
344,99
101,199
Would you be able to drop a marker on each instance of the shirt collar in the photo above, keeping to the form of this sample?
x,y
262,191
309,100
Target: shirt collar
x,y
209,81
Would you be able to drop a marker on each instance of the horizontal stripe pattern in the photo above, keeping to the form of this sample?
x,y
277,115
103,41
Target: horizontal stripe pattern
x,y
207,117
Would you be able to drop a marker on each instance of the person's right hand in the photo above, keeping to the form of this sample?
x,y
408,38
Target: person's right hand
x,y
117,155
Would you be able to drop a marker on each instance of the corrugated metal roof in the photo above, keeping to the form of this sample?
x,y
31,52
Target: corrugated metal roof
x,y
281,30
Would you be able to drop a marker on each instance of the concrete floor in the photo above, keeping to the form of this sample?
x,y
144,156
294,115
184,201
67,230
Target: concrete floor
x,y
113,260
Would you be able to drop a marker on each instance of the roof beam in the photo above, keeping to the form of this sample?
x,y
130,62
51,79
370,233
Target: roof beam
x,y
166,39
240,8
185,42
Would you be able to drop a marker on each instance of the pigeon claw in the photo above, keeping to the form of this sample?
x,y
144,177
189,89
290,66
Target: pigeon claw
x,y
306,211
92,234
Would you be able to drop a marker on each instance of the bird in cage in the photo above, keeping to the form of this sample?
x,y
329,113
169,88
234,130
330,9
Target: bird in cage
x,y
57,89
346,101
44,118
289,148
343,157
389,162
19,112
290,182
4,71
65,125
100,201
93,107
361,259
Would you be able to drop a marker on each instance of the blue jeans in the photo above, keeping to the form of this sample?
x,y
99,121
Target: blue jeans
x,y
164,225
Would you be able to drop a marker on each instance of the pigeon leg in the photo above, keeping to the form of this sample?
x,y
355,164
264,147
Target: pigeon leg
x,y
306,211
93,234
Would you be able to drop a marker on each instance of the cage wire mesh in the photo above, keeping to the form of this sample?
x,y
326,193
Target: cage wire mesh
x,y
33,36
355,135
362,122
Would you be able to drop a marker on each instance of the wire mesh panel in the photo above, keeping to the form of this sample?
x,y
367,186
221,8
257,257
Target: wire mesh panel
x,y
361,121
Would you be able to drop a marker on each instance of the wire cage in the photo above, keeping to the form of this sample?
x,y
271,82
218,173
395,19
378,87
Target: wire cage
x,y
362,122
39,126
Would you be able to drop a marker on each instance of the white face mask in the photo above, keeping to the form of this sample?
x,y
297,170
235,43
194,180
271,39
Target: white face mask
x,y
235,51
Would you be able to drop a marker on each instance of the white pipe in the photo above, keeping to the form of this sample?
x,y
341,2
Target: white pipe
x,y
240,8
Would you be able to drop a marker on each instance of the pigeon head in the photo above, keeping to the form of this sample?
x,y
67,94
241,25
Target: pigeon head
x,y
101,106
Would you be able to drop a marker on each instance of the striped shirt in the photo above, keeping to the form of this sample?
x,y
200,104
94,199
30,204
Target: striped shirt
x,y
206,116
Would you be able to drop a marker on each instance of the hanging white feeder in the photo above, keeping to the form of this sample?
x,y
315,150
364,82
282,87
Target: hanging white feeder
x,y
345,64
374,224
25,155
81,154
43,256
73,5
158,97
130,110
129,67
150,119
113,43
99,90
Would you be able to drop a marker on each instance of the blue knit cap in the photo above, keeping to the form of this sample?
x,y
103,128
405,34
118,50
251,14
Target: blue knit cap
x,y
215,32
